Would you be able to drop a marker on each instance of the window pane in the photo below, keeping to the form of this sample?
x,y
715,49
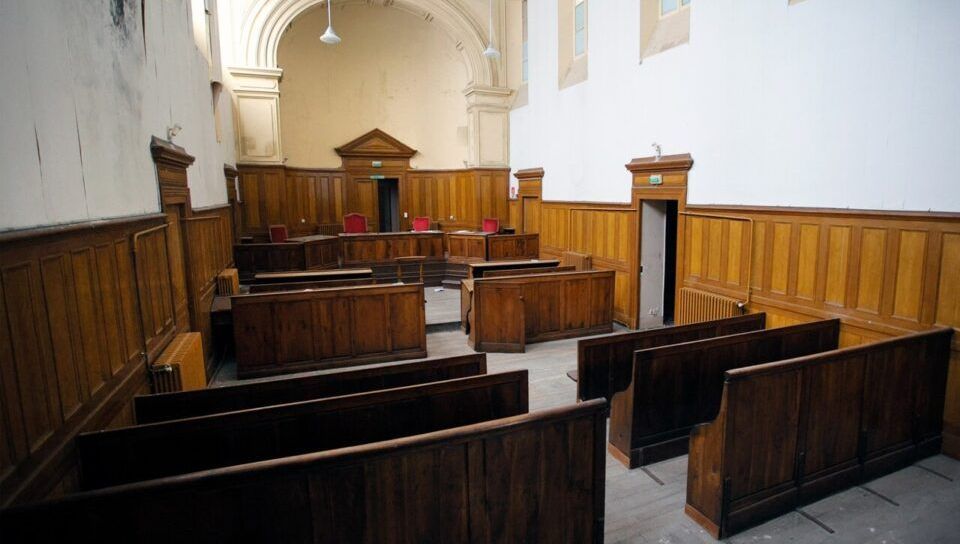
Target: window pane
x,y
580,42
668,6
526,62
580,16
684,2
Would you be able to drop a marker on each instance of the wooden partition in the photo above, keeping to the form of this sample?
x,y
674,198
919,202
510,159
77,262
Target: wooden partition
x,y
383,248
826,422
510,480
478,270
145,452
184,404
507,313
478,246
313,275
509,272
605,364
466,287
284,332
678,386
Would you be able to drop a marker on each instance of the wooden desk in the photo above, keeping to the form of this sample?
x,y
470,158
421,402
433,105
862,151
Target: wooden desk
x,y
317,275
319,251
476,270
468,247
383,248
304,253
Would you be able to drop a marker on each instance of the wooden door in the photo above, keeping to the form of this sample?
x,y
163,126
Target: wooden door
x,y
531,214
178,270
499,322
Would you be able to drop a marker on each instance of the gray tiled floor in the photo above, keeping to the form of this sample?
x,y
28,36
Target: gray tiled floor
x,y
913,505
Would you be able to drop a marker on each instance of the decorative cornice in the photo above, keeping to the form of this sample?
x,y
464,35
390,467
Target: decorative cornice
x,y
666,163
394,147
529,174
169,154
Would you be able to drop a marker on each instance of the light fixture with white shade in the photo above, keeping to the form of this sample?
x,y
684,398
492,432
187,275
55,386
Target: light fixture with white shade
x,y
330,37
491,51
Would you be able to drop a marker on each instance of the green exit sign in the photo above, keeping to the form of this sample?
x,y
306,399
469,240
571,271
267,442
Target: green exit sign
x,y
656,179
377,176
378,164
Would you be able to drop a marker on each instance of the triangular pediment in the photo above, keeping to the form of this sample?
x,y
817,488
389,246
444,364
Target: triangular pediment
x,y
376,143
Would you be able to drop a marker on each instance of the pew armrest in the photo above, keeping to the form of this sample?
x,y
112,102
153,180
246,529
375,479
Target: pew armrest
x,y
705,472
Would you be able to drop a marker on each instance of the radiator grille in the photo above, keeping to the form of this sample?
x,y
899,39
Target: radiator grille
x,y
228,282
696,306
180,366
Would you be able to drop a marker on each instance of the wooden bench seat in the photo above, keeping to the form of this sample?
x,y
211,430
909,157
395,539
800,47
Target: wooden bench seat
x,y
605,363
184,404
507,313
293,331
156,450
508,480
678,386
790,432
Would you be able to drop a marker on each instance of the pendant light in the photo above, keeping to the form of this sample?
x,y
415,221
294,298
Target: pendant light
x,y
330,37
491,51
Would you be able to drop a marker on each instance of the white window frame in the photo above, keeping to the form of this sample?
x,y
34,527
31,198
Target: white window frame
x,y
680,7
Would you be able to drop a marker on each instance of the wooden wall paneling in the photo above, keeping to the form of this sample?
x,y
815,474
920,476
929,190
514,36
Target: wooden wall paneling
x,y
70,346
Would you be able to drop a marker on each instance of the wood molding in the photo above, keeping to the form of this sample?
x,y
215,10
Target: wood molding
x,y
373,144
529,174
666,163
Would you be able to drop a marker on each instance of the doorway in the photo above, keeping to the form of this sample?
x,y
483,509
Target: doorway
x,y
658,262
388,197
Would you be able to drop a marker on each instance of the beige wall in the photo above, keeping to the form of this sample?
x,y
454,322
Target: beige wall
x,y
393,71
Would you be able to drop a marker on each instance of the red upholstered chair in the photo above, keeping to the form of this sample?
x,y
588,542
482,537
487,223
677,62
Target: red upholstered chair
x,y
278,234
421,224
491,225
354,223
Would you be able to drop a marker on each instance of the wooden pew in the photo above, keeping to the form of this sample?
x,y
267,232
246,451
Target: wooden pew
x,y
184,404
466,287
283,332
604,364
509,480
302,285
678,386
156,450
315,275
790,432
507,313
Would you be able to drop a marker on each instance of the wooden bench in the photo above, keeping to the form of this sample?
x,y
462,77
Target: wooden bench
x,y
678,386
507,313
292,331
303,285
790,432
509,480
605,363
316,275
145,452
184,404
478,270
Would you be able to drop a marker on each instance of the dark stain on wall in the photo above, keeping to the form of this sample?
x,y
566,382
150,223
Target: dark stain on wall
x,y
124,15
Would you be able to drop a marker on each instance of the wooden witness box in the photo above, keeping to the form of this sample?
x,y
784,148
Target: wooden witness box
x,y
479,246
305,253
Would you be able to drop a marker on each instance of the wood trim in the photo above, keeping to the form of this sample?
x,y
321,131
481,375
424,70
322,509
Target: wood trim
x,y
666,163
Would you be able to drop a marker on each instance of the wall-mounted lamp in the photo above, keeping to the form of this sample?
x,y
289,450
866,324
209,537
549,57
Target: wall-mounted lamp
x,y
491,51
173,131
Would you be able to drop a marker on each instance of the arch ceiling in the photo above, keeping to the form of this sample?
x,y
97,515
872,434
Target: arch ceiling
x,y
266,20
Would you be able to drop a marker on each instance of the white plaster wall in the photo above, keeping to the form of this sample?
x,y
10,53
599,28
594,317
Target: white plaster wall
x,y
82,95
834,104
393,71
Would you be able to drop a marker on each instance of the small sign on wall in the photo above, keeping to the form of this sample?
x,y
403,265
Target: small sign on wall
x,y
656,179
377,164
377,176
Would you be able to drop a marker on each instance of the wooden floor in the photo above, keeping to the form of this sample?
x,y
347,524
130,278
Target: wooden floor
x,y
918,504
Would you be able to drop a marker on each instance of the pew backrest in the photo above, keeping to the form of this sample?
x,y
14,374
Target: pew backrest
x,y
527,271
302,285
511,480
678,386
184,404
605,363
145,452
790,432
290,331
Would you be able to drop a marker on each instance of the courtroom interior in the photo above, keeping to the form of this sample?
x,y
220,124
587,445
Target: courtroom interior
x,y
512,271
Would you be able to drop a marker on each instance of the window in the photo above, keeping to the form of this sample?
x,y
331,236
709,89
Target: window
x,y
525,63
669,7
580,27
